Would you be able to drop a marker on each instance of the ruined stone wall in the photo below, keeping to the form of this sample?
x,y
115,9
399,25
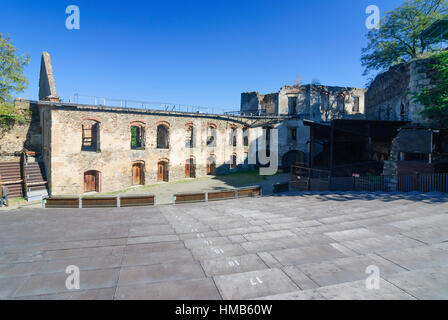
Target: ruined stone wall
x,y
19,136
249,102
309,102
115,158
389,98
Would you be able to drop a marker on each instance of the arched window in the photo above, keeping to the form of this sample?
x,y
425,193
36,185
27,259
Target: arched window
x,y
137,136
211,135
90,135
233,136
189,137
92,181
245,136
233,161
163,139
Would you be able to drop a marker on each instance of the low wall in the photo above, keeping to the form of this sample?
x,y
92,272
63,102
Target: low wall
x,y
99,201
218,195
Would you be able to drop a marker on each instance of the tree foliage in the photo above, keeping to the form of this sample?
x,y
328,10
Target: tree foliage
x,y
12,79
399,37
435,97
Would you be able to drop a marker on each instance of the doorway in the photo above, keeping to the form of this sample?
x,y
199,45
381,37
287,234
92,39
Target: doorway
x,y
211,166
91,181
162,171
190,168
138,174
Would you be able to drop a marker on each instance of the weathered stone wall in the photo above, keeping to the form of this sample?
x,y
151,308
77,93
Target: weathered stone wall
x,y
249,102
389,96
115,158
17,136
309,104
309,101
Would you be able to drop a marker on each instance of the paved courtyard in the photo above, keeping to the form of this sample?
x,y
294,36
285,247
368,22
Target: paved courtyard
x,y
312,246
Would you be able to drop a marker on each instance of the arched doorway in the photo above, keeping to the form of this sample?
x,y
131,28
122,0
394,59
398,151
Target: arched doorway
x,y
138,173
211,166
291,158
162,171
92,181
190,168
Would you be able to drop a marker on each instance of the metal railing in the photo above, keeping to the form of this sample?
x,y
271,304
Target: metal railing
x,y
144,105
315,180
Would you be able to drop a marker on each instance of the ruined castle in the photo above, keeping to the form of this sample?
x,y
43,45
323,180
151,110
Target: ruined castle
x,y
101,147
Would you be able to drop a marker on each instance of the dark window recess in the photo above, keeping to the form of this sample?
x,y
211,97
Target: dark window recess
x,y
355,104
233,161
402,112
325,97
211,137
245,137
90,137
292,104
292,134
341,103
189,141
416,157
233,136
162,137
137,137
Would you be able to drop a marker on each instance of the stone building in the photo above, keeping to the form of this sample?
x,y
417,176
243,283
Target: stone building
x,y
104,148
294,104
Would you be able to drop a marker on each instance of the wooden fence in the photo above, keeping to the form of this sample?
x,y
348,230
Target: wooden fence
x,y
218,195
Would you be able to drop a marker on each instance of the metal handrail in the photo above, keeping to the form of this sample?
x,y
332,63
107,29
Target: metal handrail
x,y
146,105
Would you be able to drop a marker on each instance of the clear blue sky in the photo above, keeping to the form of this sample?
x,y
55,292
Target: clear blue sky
x,y
201,53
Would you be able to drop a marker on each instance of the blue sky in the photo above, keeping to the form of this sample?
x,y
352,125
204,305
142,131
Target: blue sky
x,y
201,53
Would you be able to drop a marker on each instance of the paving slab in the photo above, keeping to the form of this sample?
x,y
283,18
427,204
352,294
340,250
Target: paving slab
x,y
303,281
197,289
357,290
229,265
148,258
296,256
379,244
269,235
424,284
55,282
351,234
94,294
254,284
206,242
218,251
418,258
153,239
347,269
160,272
297,295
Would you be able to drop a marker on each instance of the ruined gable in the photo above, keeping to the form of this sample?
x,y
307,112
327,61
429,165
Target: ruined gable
x,y
47,85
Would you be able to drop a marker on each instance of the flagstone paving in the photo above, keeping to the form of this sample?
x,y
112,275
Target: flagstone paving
x,y
307,246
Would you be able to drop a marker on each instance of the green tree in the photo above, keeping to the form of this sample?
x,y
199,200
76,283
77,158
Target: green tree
x,y
435,97
399,37
12,79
